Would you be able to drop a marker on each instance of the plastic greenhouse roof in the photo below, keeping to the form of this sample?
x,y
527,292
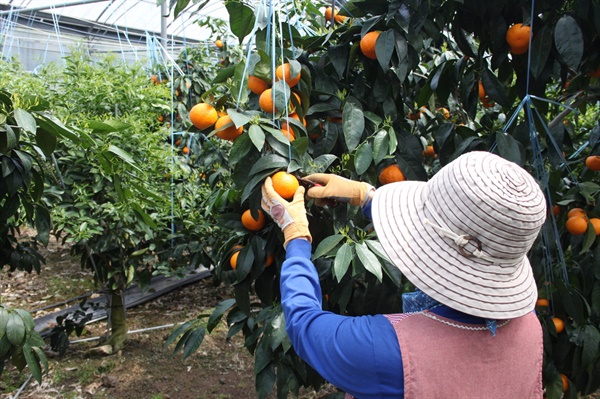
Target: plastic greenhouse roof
x,y
144,15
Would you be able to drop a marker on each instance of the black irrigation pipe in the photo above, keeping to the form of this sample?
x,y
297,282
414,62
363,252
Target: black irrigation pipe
x,y
133,297
54,305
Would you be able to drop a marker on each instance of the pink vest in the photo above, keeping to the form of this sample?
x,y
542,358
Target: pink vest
x,y
452,361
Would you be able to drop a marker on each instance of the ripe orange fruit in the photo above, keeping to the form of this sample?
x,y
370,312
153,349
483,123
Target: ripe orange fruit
x,y
284,71
391,174
270,260
429,151
288,131
203,115
565,382
481,91
593,163
555,210
576,225
253,224
336,17
444,111
542,302
576,212
219,43
414,116
233,260
161,118
559,325
265,101
285,184
367,44
517,37
596,223
229,133
185,150
257,85
595,74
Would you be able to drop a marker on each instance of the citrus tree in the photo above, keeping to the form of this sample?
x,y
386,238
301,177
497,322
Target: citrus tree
x,y
28,137
395,91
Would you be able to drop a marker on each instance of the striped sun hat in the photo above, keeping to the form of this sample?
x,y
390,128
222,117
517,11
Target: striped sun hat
x,y
463,236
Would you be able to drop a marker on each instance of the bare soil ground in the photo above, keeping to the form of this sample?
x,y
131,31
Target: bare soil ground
x,y
145,368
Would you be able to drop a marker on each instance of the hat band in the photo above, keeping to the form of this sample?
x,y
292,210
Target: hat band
x,y
461,240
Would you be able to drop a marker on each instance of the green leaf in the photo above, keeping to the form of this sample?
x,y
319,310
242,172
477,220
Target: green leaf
x,y
15,329
143,215
464,44
241,19
32,363
240,148
4,316
42,224
569,41
381,144
179,7
177,332
342,261
281,95
41,356
193,342
353,122
107,126
369,260
241,118
320,163
509,148
5,346
27,319
265,380
541,46
589,238
494,89
363,157
257,135
327,245
269,162
254,182
8,139
51,124
217,314
224,74
591,343
123,155
25,120
384,48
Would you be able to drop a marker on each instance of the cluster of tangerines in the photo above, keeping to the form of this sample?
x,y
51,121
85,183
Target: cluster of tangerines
x,y
285,184
542,305
577,221
204,116
266,99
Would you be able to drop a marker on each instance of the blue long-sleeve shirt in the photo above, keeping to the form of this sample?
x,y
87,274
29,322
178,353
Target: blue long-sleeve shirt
x,y
359,355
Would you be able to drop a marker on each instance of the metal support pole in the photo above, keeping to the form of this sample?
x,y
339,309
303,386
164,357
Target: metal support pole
x,y
164,14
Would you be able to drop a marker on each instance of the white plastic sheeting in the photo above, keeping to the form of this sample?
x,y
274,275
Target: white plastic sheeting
x,y
143,15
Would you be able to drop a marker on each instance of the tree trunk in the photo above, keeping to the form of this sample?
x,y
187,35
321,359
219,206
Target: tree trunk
x,y
118,323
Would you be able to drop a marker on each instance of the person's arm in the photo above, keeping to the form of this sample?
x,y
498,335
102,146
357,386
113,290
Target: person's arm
x,y
359,355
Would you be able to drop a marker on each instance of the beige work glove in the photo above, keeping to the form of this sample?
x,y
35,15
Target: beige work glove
x,y
331,187
289,216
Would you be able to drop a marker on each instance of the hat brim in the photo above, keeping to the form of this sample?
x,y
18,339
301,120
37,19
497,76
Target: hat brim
x,y
436,266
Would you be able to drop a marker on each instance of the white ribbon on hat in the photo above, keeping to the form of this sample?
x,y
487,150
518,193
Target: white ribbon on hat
x,y
461,239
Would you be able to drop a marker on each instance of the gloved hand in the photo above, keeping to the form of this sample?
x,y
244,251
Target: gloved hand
x,y
333,187
289,216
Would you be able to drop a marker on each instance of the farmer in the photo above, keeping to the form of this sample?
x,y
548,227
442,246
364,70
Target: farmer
x,y
468,331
